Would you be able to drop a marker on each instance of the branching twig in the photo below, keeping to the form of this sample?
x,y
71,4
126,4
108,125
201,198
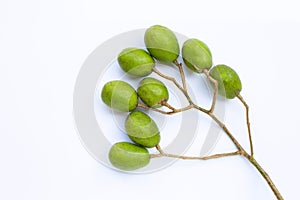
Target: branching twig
x,y
179,65
155,70
173,110
139,105
163,154
166,104
248,122
241,151
215,82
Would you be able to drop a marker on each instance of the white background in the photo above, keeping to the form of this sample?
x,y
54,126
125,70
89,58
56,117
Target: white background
x,y
42,47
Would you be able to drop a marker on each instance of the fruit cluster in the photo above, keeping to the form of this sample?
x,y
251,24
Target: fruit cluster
x,y
162,45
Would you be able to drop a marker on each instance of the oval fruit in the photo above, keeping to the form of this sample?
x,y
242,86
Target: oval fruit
x,y
136,62
196,55
142,130
162,43
229,82
127,156
152,92
119,95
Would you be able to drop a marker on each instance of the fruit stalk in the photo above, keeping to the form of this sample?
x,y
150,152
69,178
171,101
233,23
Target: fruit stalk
x,y
179,65
239,96
183,157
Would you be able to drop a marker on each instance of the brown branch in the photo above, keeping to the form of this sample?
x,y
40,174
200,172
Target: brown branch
x,y
176,110
166,104
155,70
139,105
240,151
265,176
215,82
159,149
156,155
163,154
173,110
179,65
248,123
193,105
228,133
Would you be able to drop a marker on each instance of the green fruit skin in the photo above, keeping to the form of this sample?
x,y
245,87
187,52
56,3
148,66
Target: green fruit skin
x,y
127,156
162,43
229,83
196,55
119,95
152,92
136,62
142,130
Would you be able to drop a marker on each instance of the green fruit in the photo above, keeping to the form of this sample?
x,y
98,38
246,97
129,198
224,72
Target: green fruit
x,y
196,55
153,92
142,130
136,62
119,95
162,43
228,81
127,156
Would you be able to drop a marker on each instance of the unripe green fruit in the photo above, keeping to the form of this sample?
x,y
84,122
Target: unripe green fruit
x,y
153,92
162,43
119,95
127,156
142,130
136,62
196,55
229,83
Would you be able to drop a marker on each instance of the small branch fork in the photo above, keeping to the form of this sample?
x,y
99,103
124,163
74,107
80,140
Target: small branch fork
x,y
240,150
